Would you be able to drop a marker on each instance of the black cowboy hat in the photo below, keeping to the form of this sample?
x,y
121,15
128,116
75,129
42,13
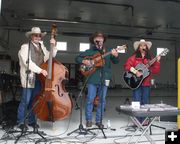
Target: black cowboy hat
x,y
97,34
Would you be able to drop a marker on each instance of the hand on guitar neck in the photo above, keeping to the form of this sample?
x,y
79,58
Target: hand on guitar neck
x,y
158,58
114,52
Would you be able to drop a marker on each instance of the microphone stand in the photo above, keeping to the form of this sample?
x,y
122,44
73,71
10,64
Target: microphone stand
x,y
27,78
24,128
81,129
101,127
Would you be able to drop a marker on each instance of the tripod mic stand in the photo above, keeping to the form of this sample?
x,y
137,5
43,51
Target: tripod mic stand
x,y
35,128
81,129
26,100
76,102
103,92
101,126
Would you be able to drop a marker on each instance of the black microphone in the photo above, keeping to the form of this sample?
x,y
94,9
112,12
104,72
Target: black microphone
x,y
145,50
97,42
39,44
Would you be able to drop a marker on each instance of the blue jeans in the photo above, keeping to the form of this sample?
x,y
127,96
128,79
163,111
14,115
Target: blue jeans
x,y
25,106
101,92
142,95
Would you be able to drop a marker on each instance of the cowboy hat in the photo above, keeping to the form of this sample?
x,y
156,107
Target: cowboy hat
x,y
35,30
142,41
96,34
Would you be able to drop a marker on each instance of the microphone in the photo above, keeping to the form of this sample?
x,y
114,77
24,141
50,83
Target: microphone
x,y
97,42
145,50
39,44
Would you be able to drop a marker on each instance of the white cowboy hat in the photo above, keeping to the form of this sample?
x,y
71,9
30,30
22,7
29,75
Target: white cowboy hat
x,y
137,43
35,30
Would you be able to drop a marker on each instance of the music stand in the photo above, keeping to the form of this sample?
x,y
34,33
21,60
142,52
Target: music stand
x,y
81,129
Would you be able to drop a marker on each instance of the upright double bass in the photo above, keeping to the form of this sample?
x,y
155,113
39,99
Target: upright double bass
x,y
53,102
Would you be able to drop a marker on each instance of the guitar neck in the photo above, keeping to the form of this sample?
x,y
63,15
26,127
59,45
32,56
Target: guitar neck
x,y
108,53
151,62
102,56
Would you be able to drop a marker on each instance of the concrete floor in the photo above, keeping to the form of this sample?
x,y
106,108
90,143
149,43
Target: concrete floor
x,y
57,132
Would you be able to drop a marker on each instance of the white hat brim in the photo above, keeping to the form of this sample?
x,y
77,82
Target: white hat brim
x,y
137,43
28,34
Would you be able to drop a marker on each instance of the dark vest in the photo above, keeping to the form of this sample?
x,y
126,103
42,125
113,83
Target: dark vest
x,y
37,55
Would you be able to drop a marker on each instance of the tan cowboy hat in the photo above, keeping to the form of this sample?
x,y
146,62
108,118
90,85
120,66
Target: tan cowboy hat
x,y
137,43
96,34
35,30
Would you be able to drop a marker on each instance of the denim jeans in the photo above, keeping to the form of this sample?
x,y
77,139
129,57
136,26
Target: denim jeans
x,y
101,91
25,106
142,95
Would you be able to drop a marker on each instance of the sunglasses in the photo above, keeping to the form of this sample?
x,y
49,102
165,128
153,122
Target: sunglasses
x,y
37,35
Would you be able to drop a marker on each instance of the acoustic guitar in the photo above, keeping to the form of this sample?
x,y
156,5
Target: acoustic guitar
x,y
96,61
132,81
